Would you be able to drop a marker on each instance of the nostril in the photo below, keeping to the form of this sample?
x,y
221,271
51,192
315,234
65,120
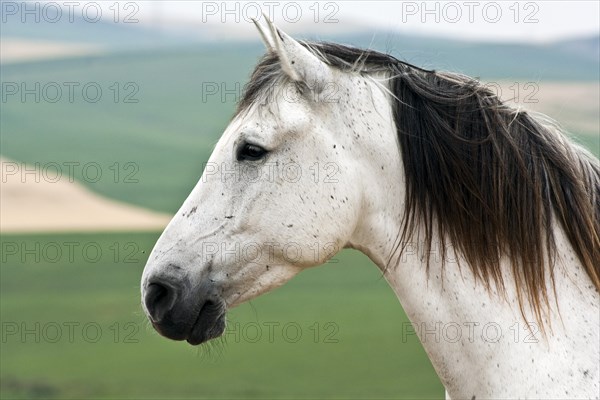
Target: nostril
x,y
159,299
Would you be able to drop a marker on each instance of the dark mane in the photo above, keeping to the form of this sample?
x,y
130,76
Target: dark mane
x,y
488,178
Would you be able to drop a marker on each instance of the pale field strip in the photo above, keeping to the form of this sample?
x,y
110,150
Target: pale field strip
x,y
22,50
27,206
575,106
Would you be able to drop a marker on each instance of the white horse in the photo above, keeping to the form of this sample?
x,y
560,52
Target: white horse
x,y
484,220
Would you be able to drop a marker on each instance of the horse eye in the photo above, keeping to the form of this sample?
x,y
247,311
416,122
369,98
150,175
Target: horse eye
x,y
250,152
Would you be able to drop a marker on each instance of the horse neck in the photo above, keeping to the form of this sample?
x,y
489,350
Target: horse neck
x,y
476,338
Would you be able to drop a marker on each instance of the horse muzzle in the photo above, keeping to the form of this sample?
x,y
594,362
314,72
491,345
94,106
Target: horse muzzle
x,y
180,311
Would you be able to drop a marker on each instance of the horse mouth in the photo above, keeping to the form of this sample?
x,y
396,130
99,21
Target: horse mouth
x,y
206,324
209,323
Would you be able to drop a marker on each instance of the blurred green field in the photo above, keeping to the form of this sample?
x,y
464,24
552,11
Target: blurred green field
x,y
168,134
350,346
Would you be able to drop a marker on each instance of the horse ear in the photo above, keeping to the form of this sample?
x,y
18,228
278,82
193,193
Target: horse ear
x,y
296,61
265,35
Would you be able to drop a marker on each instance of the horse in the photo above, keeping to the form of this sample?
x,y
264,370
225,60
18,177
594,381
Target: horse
x,y
483,217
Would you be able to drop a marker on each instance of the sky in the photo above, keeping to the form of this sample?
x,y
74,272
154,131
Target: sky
x,y
515,21
524,21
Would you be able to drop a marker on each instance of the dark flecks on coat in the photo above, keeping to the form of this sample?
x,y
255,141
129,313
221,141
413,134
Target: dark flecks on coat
x,y
192,211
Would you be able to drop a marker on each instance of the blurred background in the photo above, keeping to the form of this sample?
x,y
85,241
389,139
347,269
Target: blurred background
x,y
108,112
